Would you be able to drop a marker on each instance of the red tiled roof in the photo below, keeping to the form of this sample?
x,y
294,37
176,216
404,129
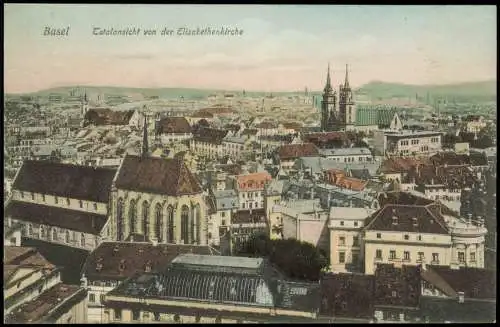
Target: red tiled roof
x,y
293,151
338,178
255,181
157,175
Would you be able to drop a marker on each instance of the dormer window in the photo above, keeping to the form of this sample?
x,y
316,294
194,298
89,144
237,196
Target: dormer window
x,y
395,220
98,266
148,267
121,266
415,221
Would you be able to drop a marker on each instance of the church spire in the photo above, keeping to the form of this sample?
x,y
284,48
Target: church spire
x,y
346,83
328,86
145,147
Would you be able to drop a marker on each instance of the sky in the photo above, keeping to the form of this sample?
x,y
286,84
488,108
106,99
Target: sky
x,y
282,48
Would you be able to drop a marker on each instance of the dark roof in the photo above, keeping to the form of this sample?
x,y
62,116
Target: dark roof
x,y
107,117
80,221
452,158
347,295
249,131
476,283
397,287
172,125
248,216
40,309
453,177
24,256
157,175
210,135
64,180
120,260
292,151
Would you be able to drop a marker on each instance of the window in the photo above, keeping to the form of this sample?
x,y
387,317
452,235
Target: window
x,y
407,255
158,222
177,318
461,257
22,194
355,258
132,216
170,227
355,224
355,241
30,229
435,257
223,223
342,240
54,234
101,298
394,294
81,203
67,236
91,297
341,223
473,256
209,236
243,205
419,237
42,231
185,235
82,239
95,206
118,314
378,254
32,196
223,214
407,237
145,219
341,257
420,257
43,197
156,316
56,200
136,314
250,205
379,235
392,254
68,202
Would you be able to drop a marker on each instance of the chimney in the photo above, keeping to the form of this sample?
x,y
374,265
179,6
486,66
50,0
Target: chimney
x,y
461,297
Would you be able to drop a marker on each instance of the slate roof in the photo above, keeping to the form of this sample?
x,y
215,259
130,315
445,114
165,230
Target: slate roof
x,y
80,221
64,180
157,175
344,152
293,151
210,135
121,260
374,116
24,256
403,212
173,125
451,158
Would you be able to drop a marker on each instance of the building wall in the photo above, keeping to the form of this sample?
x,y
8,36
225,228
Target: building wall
x,y
273,216
395,241
191,201
78,314
349,242
216,220
418,144
175,137
253,199
14,239
95,297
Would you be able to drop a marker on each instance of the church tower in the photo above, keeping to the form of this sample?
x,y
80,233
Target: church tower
x,y
145,145
328,110
85,104
347,111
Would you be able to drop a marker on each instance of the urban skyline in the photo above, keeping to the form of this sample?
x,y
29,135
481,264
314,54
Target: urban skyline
x,y
282,48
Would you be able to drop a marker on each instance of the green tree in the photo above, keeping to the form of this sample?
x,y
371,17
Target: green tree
x,y
296,259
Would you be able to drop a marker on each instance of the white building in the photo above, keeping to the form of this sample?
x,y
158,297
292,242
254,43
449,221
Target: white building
x,y
407,143
224,204
347,155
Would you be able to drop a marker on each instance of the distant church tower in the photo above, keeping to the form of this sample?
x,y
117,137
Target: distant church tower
x,y
85,104
328,106
145,145
347,110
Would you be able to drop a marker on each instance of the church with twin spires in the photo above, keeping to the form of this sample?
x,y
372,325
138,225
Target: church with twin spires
x,y
341,115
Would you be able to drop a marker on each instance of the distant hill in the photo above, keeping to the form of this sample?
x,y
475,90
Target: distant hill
x,y
473,91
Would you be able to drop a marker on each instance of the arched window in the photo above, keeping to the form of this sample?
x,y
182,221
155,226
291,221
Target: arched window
x,y
67,236
192,224
54,234
145,219
185,224
119,219
82,239
198,223
132,216
171,225
158,222
42,231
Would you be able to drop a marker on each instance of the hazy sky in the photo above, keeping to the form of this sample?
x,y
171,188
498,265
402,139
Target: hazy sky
x,y
282,47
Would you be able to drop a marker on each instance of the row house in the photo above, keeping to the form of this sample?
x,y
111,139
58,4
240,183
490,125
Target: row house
x,y
236,147
33,292
250,189
208,142
223,204
244,224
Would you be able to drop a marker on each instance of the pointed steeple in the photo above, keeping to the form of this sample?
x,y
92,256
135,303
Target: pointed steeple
x,y
346,83
145,147
328,86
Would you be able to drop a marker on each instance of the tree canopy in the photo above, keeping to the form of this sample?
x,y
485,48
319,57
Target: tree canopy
x,y
296,259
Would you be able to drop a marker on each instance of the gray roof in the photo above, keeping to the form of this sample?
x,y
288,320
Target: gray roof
x,y
218,261
234,139
345,152
226,199
319,164
275,187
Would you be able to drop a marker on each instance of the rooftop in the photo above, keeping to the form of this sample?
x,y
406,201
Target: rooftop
x,y
220,261
42,307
